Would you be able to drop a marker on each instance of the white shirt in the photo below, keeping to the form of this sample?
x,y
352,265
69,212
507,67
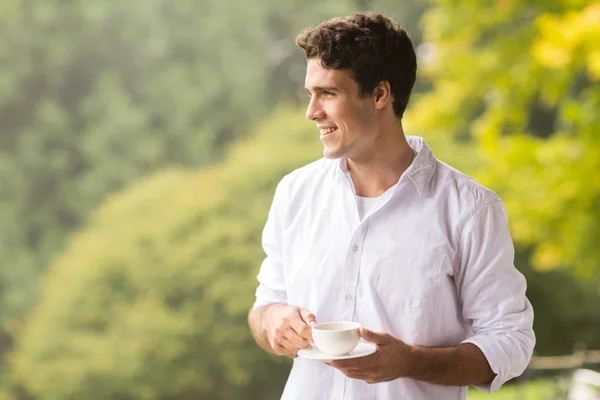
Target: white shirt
x,y
431,264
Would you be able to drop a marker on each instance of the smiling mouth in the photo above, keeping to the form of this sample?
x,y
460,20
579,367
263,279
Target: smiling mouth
x,y
327,131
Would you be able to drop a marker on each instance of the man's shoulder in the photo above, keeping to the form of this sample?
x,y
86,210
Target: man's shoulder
x,y
460,187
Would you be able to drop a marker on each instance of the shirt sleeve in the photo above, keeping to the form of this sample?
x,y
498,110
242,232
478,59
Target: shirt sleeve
x,y
492,293
271,278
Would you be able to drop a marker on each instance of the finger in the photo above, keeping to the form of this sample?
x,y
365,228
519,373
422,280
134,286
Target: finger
x,y
308,317
346,364
375,337
362,377
298,341
357,375
286,348
356,363
368,377
300,327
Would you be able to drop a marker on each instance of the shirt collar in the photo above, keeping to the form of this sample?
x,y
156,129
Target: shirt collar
x,y
423,166
419,172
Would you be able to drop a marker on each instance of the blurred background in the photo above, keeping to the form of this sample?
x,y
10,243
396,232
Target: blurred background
x,y
140,146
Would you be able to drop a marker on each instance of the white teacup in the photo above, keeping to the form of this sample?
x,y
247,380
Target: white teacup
x,y
336,338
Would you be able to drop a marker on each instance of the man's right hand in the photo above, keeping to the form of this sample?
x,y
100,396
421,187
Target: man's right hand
x,y
288,329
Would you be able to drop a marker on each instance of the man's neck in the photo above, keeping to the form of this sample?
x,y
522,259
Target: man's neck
x,y
374,175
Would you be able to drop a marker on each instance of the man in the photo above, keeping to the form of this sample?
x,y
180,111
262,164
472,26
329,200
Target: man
x,y
380,232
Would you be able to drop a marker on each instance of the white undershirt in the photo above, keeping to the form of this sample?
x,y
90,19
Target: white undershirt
x,y
364,205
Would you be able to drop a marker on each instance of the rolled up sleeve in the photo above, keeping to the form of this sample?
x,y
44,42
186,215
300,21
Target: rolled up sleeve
x,y
271,278
492,293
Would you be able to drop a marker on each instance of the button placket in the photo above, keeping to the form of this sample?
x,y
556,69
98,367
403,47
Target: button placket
x,y
350,282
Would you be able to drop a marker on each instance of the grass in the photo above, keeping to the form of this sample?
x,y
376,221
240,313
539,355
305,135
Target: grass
x,y
534,390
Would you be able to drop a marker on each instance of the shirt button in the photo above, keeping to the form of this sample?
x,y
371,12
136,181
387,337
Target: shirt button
x,y
355,248
348,296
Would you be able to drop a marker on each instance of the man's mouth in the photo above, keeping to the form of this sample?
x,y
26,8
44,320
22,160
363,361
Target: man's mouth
x,y
327,131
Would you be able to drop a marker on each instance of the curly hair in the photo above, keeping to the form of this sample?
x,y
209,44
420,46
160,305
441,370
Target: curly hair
x,y
373,47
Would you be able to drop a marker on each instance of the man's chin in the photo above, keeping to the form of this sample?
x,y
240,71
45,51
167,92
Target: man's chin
x,y
331,154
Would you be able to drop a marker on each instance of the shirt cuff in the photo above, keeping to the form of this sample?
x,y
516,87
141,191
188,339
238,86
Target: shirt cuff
x,y
497,359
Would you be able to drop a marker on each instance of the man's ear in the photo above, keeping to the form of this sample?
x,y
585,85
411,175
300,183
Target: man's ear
x,y
382,94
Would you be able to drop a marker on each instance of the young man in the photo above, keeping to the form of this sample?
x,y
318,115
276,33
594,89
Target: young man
x,y
382,233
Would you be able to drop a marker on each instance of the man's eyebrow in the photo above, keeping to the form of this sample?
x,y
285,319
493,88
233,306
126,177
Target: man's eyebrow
x,y
322,89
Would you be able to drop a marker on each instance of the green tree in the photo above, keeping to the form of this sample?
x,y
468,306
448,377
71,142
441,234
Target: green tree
x,y
94,95
149,301
521,78
519,81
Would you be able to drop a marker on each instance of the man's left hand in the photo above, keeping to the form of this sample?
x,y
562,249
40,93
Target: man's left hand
x,y
391,360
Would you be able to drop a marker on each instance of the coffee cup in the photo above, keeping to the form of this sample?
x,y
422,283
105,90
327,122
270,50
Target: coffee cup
x,y
336,338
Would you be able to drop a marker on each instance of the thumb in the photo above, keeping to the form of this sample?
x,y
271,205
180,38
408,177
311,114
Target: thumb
x,y
308,317
374,337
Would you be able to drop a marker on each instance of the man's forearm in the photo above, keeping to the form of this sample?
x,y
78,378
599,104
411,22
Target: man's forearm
x,y
256,320
461,365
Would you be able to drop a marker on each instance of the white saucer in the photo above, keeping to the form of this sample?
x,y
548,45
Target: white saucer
x,y
361,350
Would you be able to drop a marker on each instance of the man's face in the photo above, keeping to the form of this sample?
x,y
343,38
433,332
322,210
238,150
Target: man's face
x,y
345,120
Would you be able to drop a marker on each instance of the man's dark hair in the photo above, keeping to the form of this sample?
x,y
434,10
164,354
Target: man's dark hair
x,y
373,47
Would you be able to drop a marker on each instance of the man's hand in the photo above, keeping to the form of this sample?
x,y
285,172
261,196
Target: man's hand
x,y
391,360
288,329
460,365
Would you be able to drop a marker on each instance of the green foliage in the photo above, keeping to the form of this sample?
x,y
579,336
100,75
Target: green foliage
x,y
150,300
534,390
96,94
521,79
567,311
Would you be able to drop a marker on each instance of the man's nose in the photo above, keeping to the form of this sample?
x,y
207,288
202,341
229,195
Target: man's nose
x,y
314,111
